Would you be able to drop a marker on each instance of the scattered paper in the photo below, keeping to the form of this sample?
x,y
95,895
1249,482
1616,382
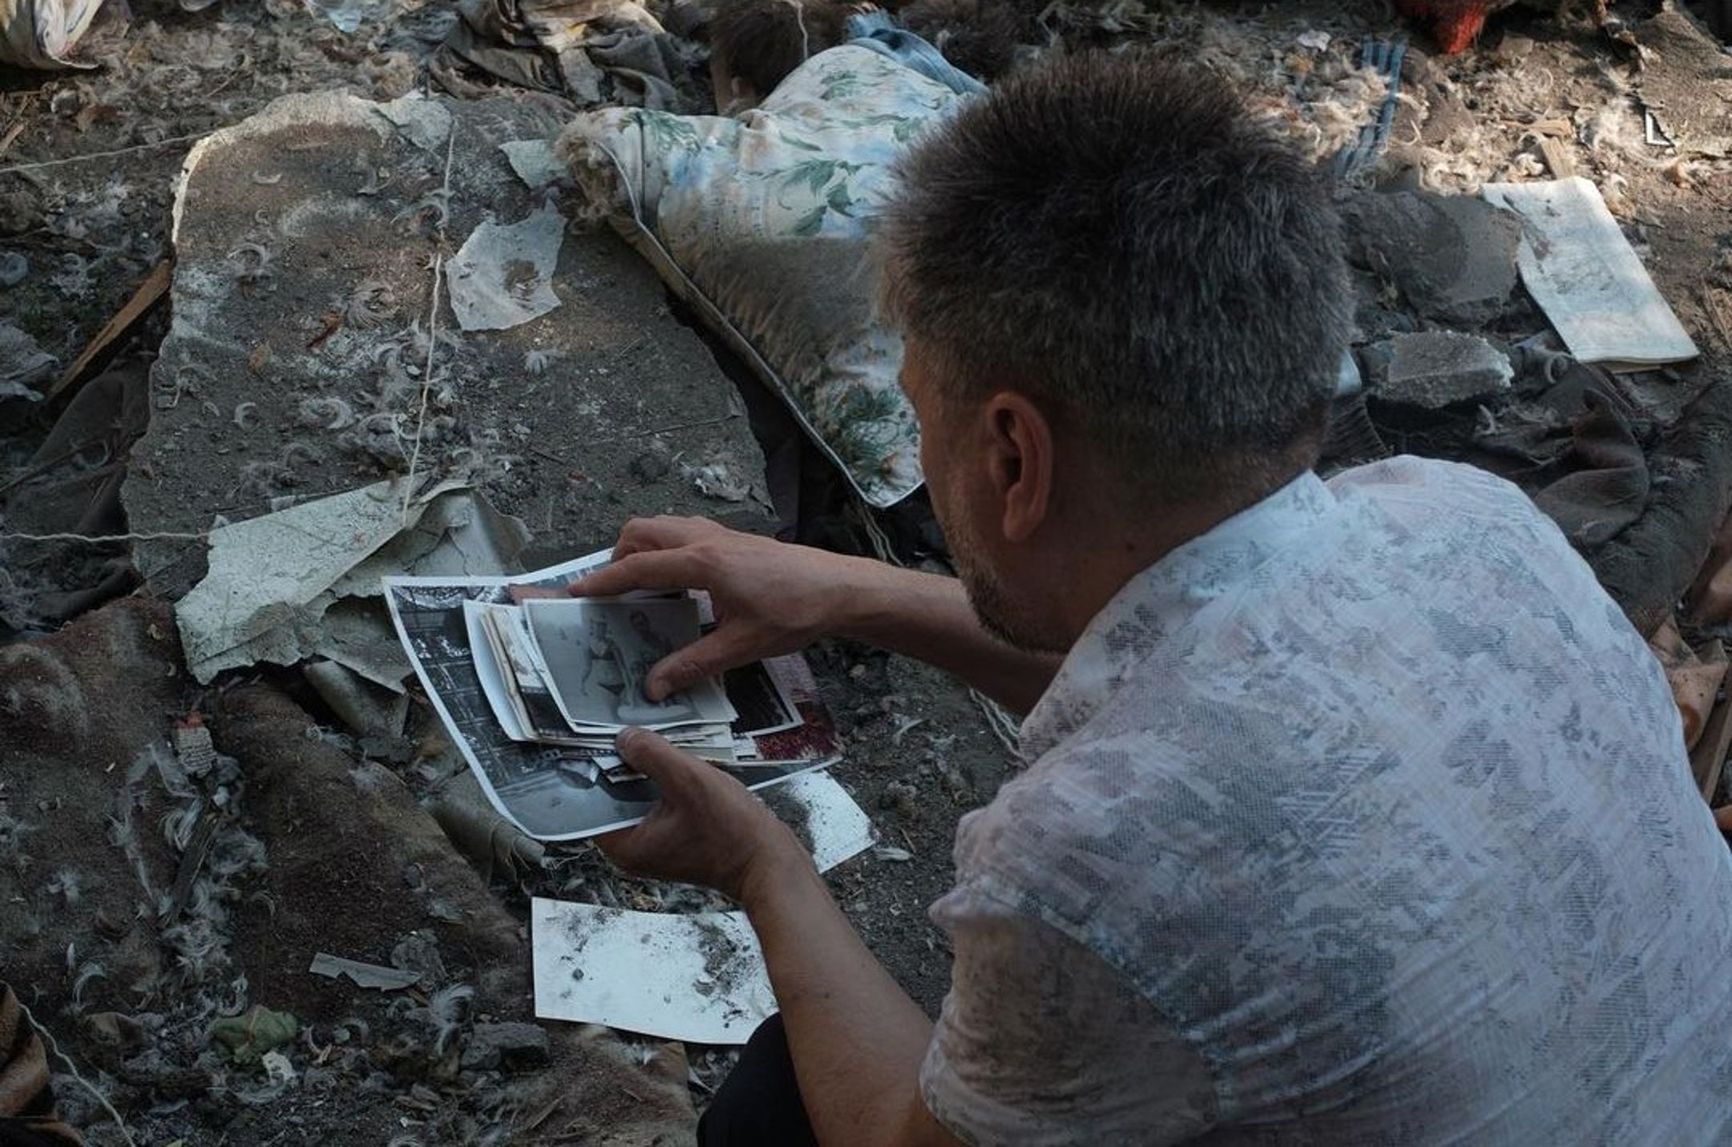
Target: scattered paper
x,y
1583,273
698,978
550,780
425,123
502,276
290,585
836,825
375,976
534,162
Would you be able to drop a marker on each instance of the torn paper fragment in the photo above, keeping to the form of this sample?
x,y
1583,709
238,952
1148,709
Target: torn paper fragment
x,y
425,123
698,978
304,581
502,275
534,162
1584,274
263,595
837,826
374,976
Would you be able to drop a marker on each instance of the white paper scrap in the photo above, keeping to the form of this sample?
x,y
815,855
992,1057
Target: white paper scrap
x,y
839,828
1584,274
698,978
364,975
534,162
503,275
426,123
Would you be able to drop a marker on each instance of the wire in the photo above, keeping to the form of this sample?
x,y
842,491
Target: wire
x,y
73,1068
100,154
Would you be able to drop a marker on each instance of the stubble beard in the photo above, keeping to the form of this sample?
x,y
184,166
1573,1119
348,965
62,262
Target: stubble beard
x,y
992,606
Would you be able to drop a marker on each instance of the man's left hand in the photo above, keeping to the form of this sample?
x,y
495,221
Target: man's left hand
x,y
707,828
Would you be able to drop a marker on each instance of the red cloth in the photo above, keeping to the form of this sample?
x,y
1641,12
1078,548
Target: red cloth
x,y
1454,24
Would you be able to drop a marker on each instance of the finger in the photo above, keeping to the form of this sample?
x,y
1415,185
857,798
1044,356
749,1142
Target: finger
x,y
523,593
663,532
711,655
652,755
616,842
651,569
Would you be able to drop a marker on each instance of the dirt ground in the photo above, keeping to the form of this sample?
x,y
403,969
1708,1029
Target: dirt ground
x,y
351,862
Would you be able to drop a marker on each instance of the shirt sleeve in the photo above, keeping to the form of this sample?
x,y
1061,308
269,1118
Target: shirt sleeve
x,y
1043,1042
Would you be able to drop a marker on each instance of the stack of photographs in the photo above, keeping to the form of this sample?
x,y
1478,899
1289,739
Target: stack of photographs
x,y
535,685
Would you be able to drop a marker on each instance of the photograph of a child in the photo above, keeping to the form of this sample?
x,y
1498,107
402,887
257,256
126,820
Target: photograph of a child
x,y
599,654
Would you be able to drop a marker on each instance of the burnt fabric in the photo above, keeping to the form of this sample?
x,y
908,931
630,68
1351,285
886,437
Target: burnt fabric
x,y
27,1117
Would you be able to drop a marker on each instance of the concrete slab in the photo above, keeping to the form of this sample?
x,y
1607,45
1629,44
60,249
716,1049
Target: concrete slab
x,y
1435,370
297,363
1453,258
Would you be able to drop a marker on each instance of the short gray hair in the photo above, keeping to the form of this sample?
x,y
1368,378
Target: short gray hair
x,y
1120,238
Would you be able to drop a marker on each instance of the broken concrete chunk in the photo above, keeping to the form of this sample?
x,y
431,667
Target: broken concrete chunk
x,y
1453,258
501,277
508,1045
296,362
1438,369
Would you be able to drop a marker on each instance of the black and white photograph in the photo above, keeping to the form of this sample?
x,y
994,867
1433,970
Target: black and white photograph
x,y
599,654
551,791
761,700
512,677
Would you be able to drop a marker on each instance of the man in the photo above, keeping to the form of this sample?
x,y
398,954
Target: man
x,y
1356,812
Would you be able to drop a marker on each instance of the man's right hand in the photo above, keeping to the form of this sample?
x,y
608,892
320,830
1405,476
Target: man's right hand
x,y
770,598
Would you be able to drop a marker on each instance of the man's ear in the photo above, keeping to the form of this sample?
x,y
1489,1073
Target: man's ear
x,y
1020,452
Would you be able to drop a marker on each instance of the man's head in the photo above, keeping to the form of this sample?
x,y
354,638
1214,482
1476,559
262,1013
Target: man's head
x,y
1124,304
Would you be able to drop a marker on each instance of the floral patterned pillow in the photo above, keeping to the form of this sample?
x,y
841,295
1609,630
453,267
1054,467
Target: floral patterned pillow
x,y
763,224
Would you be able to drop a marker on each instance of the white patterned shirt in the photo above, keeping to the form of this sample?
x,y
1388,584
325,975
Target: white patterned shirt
x,y
1364,818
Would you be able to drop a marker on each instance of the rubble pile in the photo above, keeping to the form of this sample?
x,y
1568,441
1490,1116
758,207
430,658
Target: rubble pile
x,y
296,295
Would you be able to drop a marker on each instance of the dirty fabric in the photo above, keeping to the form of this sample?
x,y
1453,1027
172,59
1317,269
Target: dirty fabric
x,y
762,224
1709,598
42,33
1377,765
71,485
593,50
1608,489
27,1117
876,31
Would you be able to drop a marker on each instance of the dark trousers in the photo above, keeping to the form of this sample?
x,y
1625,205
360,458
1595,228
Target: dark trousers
x,y
759,1103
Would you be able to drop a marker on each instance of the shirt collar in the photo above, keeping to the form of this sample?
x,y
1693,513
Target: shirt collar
x,y
1155,602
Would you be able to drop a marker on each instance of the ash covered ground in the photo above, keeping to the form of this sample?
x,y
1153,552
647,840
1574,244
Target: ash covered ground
x,y
313,838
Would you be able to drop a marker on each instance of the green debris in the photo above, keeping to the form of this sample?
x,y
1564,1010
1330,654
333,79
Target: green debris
x,y
249,1036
